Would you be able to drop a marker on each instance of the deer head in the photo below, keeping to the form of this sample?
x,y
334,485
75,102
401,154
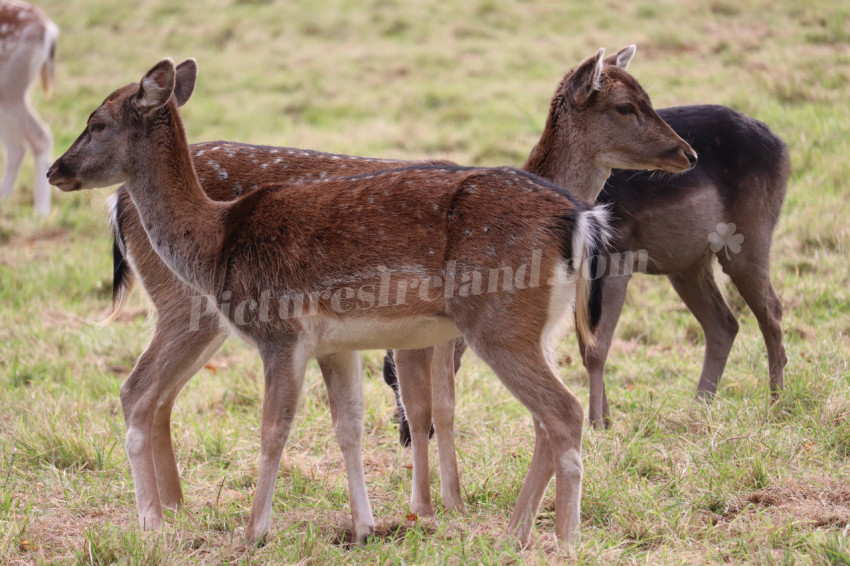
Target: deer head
x,y
101,155
600,118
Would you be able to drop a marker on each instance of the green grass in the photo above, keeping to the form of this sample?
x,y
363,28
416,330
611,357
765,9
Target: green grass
x,y
672,482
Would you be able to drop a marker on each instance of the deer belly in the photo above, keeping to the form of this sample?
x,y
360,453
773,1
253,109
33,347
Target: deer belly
x,y
354,333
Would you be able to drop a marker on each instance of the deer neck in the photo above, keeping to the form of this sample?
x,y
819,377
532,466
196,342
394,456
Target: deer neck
x,y
182,223
563,160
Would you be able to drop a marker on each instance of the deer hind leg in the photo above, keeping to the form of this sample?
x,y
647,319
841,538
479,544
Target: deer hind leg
x,y
40,139
698,289
284,366
443,410
343,379
540,472
752,278
413,368
594,359
15,150
558,417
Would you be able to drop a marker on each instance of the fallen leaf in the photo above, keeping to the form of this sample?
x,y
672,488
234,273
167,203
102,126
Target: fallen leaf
x,y
26,545
212,368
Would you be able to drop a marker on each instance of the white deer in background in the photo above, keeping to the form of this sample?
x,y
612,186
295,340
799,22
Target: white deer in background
x,y
27,47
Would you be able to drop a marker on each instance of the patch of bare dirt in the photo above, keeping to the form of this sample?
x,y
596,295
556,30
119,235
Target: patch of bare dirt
x,y
814,501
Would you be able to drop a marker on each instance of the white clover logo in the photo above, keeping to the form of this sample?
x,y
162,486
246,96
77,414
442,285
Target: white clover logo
x,y
726,239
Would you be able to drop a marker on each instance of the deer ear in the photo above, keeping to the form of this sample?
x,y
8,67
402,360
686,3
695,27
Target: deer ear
x,y
156,87
184,85
586,78
622,58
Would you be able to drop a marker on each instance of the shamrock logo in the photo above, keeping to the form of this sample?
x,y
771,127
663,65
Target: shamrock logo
x,y
726,239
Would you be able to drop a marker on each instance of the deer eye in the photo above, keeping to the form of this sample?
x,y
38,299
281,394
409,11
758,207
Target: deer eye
x,y
625,109
96,127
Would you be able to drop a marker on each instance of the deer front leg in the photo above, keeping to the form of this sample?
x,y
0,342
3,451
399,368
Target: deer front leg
x,y
413,368
343,379
283,365
443,409
147,396
184,354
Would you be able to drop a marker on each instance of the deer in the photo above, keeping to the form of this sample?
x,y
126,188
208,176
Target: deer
x,y
263,247
228,170
680,224
27,47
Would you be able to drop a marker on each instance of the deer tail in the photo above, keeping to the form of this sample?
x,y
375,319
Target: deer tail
x,y
590,239
51,36
122,275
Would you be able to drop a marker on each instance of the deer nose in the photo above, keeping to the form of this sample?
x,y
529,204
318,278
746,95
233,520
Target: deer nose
x,y
692,158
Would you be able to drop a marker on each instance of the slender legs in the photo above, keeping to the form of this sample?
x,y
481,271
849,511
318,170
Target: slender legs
x,y
343,378
21,126
753,282
425,379
147,397
443,407
699,291
414,379
558,421
284,366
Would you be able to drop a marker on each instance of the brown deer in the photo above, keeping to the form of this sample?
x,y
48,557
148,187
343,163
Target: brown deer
x,y
282,249
27,47
187,335
228,170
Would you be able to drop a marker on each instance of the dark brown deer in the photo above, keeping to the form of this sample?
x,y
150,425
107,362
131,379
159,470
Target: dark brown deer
x,y
726,207
27,47
228,170
297,270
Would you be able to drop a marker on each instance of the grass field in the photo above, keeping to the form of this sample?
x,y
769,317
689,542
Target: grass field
x,y
671,482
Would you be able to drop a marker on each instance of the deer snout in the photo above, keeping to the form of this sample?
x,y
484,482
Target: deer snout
x,y
677,159
61,179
